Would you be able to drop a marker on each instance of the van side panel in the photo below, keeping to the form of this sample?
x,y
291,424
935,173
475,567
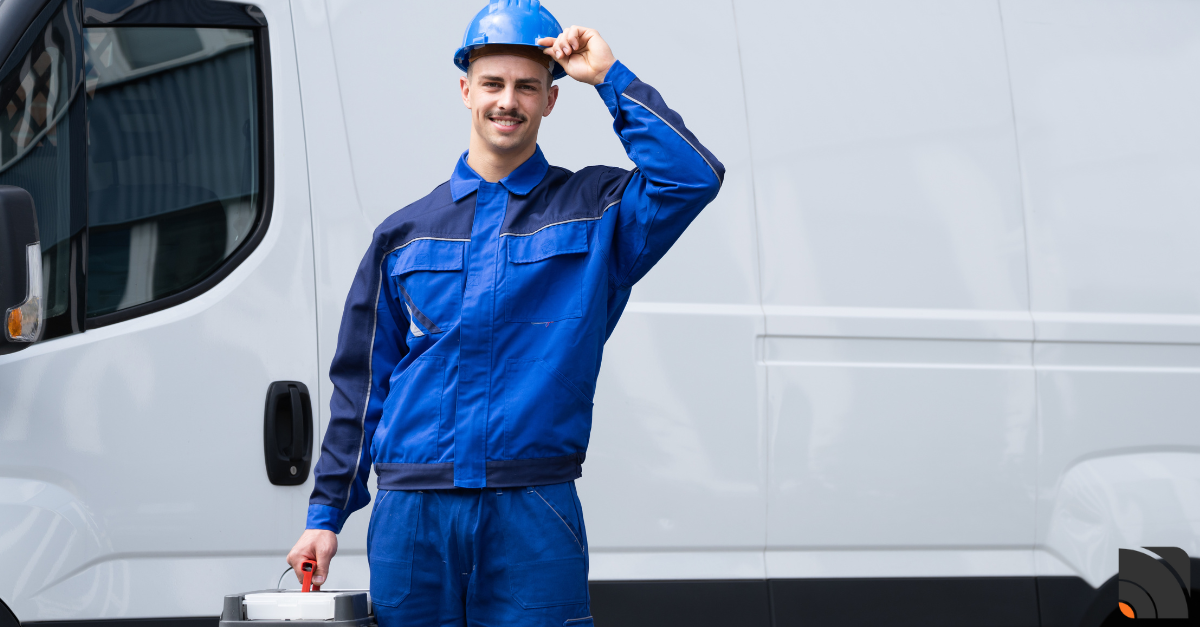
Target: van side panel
x,y
1105,98
899,345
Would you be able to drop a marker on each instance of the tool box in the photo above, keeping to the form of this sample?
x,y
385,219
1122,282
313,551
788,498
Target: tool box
x,y
330,608
299,608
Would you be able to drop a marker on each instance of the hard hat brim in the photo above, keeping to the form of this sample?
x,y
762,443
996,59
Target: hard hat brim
x,y
462,59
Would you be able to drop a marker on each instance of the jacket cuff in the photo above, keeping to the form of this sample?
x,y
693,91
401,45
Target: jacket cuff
x,y
616,80
325,517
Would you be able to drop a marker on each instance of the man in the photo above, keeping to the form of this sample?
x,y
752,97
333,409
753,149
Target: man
x,y
472,338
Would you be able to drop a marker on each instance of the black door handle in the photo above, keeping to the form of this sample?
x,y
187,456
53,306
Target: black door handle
x,y
295,449
288,433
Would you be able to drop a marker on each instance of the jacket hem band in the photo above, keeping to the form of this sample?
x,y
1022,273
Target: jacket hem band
x,y
509,473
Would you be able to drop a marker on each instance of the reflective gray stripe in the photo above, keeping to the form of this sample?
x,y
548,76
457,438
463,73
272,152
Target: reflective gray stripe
x,y
710,166
564,520
415,313
412,326
417,239
563,222
371,362
362,430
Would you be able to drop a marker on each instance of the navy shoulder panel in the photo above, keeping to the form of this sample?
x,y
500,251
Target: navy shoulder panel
x,y
610,183
434,216
563,196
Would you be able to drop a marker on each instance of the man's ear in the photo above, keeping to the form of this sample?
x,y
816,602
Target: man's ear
x,y
551,98
464,83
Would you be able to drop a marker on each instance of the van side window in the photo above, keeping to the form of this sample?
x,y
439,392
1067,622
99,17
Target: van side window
x,y
142,132
37,95
172,156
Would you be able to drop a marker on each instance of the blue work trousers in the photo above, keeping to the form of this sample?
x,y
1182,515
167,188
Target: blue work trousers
x,y
487,557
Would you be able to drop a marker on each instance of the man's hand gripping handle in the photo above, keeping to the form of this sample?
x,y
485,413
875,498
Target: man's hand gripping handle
x,y
319,545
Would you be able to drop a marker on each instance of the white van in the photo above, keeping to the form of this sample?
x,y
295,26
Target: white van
x,y
931,357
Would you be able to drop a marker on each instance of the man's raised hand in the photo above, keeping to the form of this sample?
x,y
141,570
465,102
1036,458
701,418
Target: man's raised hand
x,y
582,53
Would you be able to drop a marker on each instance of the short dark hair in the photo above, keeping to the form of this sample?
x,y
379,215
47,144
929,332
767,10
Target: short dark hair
x,y
549,75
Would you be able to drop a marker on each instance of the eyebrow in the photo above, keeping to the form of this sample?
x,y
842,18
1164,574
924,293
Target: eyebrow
x,y
519,81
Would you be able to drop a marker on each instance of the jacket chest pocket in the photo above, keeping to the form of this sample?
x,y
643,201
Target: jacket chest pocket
x,y
544,274
428,276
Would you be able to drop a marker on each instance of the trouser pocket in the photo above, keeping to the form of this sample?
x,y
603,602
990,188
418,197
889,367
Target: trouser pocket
x,y
546,547
390,542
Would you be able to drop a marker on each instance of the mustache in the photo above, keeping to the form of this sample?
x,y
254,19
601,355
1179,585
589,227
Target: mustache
x,y
516,115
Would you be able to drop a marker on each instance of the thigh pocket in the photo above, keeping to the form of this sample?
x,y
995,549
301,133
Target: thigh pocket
x,y
544,280
390,543
547,561
550,582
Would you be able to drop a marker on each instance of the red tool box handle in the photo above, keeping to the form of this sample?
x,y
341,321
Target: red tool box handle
x,y
307,567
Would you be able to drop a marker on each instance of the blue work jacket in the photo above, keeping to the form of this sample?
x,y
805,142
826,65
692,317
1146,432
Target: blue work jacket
x,y
472,336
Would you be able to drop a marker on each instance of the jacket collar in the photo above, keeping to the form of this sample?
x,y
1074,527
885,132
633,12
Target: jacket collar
x,y
521,181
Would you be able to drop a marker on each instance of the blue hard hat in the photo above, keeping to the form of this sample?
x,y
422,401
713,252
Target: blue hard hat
x,y
520,22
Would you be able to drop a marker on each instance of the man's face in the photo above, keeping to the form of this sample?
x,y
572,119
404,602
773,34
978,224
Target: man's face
x,y
508,96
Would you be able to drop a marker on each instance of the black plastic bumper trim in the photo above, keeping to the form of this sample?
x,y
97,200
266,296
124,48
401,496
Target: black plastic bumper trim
x,y
180,621
877,602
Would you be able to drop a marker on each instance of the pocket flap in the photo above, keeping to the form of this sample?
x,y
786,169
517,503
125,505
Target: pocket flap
x,y
560,239
429,254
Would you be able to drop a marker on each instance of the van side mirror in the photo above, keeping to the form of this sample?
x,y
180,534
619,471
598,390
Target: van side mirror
x,y
21,301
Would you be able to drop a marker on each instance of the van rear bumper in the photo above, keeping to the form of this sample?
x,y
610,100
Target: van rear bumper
x,y
893,602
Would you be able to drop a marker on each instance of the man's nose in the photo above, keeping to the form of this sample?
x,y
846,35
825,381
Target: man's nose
x,y
508,99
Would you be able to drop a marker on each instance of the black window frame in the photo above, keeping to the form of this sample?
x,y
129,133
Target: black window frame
x,y
203,14
29,17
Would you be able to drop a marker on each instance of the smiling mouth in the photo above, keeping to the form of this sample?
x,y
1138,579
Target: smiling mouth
x,y
505,123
